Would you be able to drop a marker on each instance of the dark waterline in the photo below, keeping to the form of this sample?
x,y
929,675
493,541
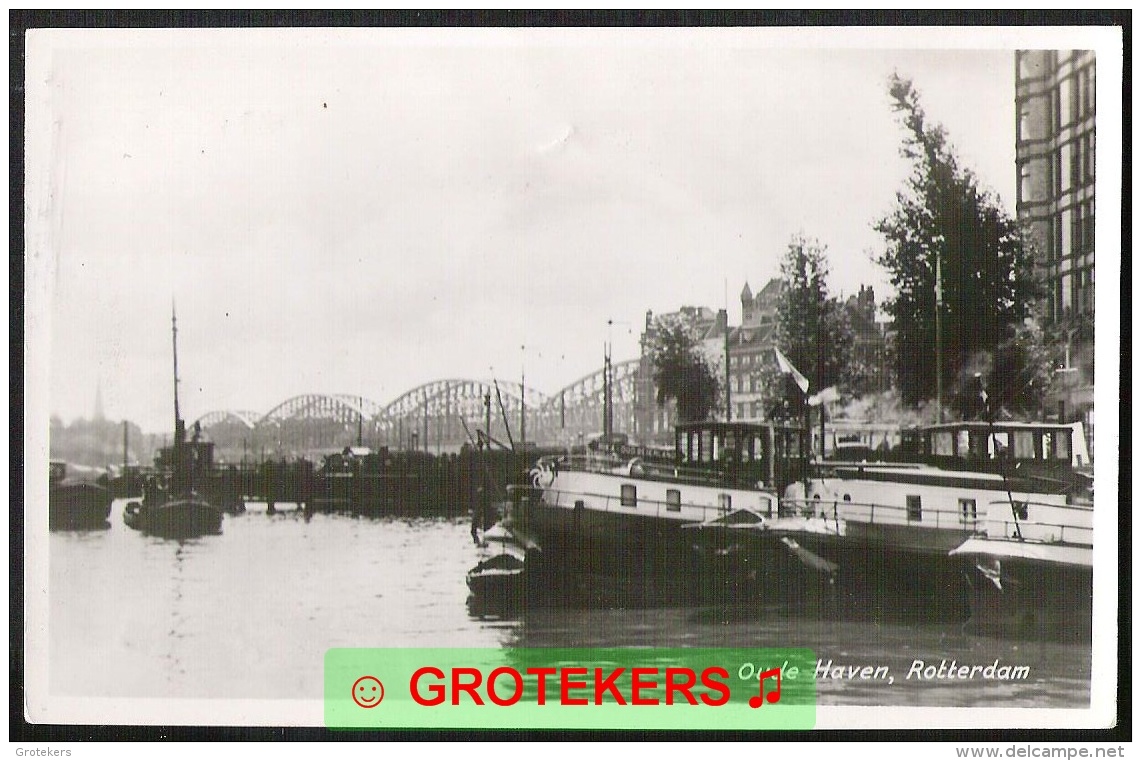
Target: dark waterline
x,y
250,614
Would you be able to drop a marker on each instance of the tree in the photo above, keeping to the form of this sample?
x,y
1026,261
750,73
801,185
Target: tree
x,y
812,326
1015,376
943,218
682,372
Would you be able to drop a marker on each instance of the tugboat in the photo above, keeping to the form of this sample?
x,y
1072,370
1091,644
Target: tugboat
x,y
171,507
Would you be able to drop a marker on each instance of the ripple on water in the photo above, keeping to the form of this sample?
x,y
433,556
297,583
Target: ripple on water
x,y
250,613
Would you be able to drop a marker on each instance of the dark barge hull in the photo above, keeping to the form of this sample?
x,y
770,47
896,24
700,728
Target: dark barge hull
x,y
883,576
623,560
78,506
180,518
1029,598
628,560
368,494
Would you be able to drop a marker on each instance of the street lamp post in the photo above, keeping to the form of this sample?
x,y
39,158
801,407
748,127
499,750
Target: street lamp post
x,y
523,397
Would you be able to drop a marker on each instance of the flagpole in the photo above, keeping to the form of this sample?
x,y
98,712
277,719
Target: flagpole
x,y
788,368
938,350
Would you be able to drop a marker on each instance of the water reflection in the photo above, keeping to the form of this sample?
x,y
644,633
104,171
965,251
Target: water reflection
x,y
250,613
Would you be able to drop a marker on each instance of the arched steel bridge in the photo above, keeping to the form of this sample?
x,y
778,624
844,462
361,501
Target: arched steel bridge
x,y
438,416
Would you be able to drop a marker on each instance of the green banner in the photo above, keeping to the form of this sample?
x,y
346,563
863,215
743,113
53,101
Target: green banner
x,y
570,688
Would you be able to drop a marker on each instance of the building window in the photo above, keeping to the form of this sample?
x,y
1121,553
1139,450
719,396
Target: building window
x,y
914,508
1056,173
1077,152
1065,167
1091,89
629,495
1078,107
1076,230
673,501
1066,101
1030,63
1056,251
1024,132
1087,228
1067,227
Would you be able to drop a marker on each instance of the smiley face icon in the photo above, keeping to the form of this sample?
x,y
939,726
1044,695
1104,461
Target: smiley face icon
x,y
368,692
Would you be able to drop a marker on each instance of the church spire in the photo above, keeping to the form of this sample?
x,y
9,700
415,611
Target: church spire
x,y
98,414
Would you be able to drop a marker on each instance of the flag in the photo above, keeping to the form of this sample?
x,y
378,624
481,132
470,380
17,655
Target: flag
x,y
786,367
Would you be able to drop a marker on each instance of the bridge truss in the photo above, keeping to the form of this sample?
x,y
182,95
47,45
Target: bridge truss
x,y
442,415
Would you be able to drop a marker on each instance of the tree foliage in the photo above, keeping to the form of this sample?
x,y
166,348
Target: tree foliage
x,y
987,283
813,328
1015,375
682,372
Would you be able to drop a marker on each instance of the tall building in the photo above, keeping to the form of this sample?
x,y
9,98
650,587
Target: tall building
x,y
869,341
1055,149
751,349
751,346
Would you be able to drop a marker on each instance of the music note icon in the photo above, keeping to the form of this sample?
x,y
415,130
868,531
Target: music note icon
x,y
772,696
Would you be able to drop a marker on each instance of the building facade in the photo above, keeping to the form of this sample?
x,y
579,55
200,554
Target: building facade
x,y
869,342
654,423
751,350
752,361
1055,151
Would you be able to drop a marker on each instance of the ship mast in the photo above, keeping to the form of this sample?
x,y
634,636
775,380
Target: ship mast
x,y
179,432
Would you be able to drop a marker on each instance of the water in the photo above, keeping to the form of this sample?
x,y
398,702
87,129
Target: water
x,y
249,615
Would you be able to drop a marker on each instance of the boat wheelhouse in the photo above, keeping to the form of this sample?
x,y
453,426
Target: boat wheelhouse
x,y
889,527
1034,449
951,472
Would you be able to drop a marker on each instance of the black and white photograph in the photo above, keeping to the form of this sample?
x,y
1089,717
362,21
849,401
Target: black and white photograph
x,y
550,337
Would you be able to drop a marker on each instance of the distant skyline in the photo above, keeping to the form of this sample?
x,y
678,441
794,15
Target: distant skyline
x,y
362,211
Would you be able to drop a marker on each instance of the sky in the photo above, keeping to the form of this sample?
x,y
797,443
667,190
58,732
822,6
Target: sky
x,y
363,211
